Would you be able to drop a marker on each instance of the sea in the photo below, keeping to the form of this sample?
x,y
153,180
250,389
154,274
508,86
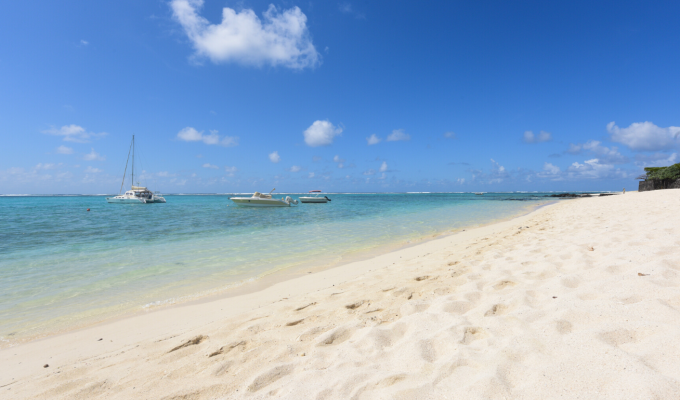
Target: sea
x,y
63,267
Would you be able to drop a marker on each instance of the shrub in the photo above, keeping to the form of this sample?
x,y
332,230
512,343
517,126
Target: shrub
x,y
660,173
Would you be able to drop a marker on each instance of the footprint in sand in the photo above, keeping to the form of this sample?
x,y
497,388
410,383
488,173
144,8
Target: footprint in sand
x,y
303,307
336,337
227,349
571,282
356,305
270,377
620,336
457,307
471,334
496,309
389,381
563,326
191,342
503,284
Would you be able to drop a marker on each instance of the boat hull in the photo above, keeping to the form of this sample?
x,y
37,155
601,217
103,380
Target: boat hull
x,y
313,200
114,200
250,202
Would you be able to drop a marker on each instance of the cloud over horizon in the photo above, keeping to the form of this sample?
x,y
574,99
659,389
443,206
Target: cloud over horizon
x,y
280,38
645,136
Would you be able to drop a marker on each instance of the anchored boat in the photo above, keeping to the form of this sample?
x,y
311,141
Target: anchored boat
x,y
136,194
263,200
317,198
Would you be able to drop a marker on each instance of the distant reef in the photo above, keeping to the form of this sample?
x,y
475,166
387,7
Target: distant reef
x,y
656,178
572,195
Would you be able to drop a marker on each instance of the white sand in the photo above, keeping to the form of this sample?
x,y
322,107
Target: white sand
x,y
550,305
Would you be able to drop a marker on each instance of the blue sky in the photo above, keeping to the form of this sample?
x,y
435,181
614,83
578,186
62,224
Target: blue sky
x,y
238,96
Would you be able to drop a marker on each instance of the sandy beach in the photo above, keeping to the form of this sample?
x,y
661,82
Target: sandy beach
x,y
579,299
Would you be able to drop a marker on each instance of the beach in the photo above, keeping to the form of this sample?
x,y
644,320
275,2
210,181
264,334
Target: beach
x,y
579,299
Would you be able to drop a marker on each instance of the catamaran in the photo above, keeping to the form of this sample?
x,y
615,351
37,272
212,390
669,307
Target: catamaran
x,y
136,194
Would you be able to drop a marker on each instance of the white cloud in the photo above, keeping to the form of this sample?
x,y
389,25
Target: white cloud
x,y
373,139
339,160
604,154
46,166
295,168
311,175
74,133
281,38
645,136
90,170
542,136
93,156
383,167
190,134
208,165
594,169
398,134
84,42
461,180
551,169
370,172
230,170
64,150
321,133
274,157
656,160
229,141
450,135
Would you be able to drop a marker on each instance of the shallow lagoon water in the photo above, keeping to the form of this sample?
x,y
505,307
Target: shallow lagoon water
x,y
62,267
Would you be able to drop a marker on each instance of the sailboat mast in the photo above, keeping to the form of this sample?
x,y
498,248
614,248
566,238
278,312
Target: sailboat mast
x,y
126,164
133,160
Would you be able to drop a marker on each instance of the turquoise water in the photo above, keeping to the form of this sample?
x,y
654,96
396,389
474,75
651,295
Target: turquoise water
x,y
62,267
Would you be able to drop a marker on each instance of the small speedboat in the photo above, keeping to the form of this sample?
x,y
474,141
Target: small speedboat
x,y
317,198
263,200
479,193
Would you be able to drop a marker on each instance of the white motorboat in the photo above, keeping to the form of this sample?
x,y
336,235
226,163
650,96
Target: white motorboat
x,y
136,194
317,198
263,200
479,193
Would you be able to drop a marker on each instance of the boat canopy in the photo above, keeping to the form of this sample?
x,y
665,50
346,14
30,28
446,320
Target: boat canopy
x,y
315,191
139,188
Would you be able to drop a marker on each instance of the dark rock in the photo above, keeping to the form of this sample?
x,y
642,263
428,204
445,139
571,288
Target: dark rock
x,y
564,195
657,184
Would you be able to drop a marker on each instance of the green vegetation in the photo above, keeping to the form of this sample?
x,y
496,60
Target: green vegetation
x,y
660,173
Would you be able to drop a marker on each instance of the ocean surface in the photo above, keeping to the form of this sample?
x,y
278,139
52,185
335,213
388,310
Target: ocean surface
x,y
62,267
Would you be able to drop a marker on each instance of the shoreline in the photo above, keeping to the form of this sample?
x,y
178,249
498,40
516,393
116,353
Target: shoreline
x,y
578,298
337,274
263,281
